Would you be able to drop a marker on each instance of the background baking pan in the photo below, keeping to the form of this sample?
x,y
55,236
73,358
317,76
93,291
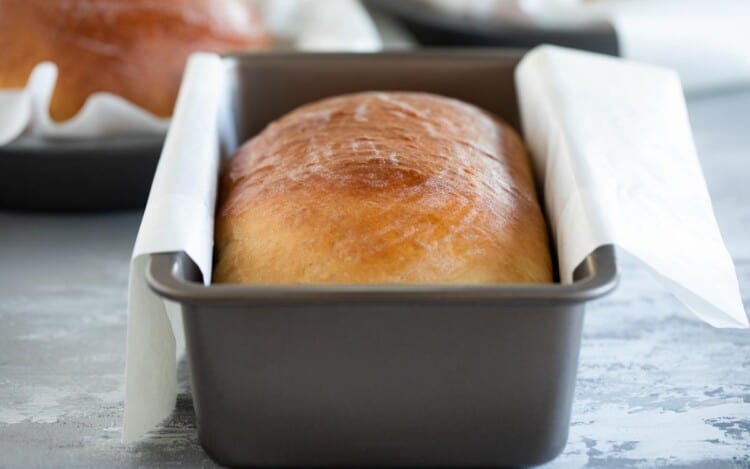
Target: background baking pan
x,y
432,27
379,375
103,173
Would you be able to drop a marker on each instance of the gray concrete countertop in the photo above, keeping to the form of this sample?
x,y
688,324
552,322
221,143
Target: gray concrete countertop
x,y
656,387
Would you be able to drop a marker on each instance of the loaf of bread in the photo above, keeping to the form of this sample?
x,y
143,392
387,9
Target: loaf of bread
x,y
382,187
133,48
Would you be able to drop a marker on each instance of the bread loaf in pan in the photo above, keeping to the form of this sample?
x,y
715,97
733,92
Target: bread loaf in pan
x,y
371,375
382,187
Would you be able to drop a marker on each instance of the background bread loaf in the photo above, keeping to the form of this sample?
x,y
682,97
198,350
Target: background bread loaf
x,y
133,48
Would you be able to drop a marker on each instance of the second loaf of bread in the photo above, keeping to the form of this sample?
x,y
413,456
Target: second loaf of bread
x,y
135,49
382,187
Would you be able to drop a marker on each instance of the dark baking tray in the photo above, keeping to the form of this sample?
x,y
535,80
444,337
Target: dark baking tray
x,y
379,375
103,173
432,27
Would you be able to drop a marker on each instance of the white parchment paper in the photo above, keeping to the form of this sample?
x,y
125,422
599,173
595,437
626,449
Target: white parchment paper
x,y
706,42
26,111
610,140
298,24
179,216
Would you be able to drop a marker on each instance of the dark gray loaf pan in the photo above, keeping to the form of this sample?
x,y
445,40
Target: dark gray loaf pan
x,y
66,175
432,27
440,375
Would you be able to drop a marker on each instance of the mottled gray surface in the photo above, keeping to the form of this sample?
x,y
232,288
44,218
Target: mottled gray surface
x,y
656,387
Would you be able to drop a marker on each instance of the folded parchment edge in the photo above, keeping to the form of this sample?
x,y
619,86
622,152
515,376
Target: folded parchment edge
x,y
150,367
537,80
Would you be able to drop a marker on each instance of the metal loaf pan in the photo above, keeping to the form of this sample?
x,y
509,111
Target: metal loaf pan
x,y
78,175
432,27
379,375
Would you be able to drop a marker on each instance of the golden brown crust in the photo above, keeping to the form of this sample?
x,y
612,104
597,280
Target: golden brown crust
x,y
133,48
382,188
